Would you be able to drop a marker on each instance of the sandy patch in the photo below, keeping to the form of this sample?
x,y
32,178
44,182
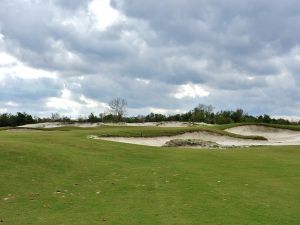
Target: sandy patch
x,y
152,124
88,125
205,136
43,125
275,136
58,124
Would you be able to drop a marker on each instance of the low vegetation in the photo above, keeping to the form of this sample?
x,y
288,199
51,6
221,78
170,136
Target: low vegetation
x,y
201,113
191,143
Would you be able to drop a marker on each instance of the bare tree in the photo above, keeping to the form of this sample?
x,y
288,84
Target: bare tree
x,y
55,117
118,108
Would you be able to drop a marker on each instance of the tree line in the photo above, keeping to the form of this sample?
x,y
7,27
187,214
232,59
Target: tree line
x,y
205,114
201,113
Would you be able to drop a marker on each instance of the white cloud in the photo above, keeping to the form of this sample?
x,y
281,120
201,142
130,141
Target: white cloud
x,y
3,110
190,91
65,93
92,104
143,81
105,15
12,104
150,55
164,111
71,105
147,110
11,66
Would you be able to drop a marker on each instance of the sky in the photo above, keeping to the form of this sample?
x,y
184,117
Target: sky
x,y
74,56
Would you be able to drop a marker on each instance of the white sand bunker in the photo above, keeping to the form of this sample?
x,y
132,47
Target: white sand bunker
x,y
48,125
155,124
203,135
88,125
275,136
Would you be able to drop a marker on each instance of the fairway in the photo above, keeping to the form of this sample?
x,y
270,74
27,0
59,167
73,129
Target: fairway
x,y
60,177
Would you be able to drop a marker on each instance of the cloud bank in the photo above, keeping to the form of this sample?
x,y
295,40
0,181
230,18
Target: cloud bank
x,y
167,56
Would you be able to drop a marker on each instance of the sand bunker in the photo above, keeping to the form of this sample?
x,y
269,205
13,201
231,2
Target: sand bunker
x,y
203,135
59,124
152,124
43,125
275,136
88,125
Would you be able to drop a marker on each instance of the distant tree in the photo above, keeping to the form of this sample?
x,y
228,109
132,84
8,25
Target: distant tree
x,y
249,119
92,118
223,117
186,116
108,118
55,117
202,113
140,119
237,116
264,119
65,119
118,107
281,121
101,117
4,120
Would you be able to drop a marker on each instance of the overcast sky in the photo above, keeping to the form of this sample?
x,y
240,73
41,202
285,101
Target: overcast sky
x,y
74,56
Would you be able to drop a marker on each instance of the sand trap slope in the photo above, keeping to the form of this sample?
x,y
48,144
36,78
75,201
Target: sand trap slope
x,y
88,125
205,136
275,136
60,124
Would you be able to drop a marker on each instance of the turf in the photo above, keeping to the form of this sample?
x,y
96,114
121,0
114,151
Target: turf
x,y
61,177
127,131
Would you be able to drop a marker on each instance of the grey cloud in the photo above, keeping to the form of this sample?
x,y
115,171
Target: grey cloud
x,y
72,4
27,90
234,48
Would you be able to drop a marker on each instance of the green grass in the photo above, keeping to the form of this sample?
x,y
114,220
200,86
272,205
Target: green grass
x,y
52,178
127,131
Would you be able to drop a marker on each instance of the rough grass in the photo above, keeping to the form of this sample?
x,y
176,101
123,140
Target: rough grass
x,y
61,177
4,128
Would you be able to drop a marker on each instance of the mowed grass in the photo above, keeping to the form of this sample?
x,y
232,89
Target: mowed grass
x,y
61,177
